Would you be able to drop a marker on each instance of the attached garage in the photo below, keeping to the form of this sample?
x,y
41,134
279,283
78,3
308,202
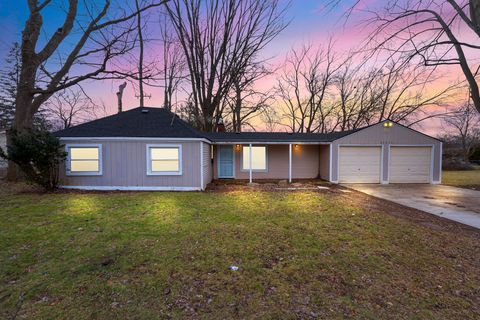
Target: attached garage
x,y
360,164
386,152
410,164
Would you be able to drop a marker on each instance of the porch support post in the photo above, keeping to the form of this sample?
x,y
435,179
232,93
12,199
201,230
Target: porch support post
x,y
290,163
250,160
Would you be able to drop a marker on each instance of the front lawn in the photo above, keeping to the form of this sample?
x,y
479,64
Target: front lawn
x,y
464,179
303,254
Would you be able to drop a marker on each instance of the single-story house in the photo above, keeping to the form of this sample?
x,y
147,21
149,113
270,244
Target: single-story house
x,y
153,149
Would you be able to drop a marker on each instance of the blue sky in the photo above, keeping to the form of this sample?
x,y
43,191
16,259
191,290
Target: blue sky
x,y
307,22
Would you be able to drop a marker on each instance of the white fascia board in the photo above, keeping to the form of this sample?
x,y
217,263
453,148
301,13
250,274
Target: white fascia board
x,y
132,139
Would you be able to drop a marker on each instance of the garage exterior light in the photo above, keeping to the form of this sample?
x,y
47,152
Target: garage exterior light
x,y
388,124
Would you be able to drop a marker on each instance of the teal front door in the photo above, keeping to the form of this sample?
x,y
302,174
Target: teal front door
x,y
225,161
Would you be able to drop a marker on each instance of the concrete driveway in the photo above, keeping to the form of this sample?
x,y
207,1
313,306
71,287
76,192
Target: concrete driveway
x,y
461,205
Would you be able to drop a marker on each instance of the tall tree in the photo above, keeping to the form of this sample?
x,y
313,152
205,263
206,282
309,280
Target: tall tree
x,y
245,102
321,93
9,78
102,35
173,64
305,85
433,33
219,39
464,125
140,54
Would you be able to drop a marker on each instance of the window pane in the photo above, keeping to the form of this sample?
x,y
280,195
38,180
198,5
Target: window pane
x,y
164,165
83,153
164,153
259,158
84,166
246,158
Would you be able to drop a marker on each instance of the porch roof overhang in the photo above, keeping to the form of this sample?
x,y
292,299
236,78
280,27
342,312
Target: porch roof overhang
x,y
274,137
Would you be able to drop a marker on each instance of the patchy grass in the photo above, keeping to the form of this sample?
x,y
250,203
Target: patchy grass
x,y
464,179
167,255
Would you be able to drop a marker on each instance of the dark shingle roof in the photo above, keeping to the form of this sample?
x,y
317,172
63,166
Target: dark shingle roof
x,y
150,122
275,136
138,122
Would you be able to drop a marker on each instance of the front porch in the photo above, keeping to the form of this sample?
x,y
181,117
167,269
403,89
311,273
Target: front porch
x,y
266,162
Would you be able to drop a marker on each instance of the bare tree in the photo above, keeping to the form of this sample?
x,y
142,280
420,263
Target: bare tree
x,y
71,107
397,91
358,97
101,36
465,127
433,33
245,101
271,119
173,64
304,87
140,56
321,93
219,39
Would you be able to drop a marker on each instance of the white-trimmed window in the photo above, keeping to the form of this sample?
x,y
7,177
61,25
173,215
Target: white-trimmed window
x,y
164,159
84,159
259,158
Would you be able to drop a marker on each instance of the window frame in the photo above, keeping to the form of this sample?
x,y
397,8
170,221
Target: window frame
x,y
164,173
68,171
242,169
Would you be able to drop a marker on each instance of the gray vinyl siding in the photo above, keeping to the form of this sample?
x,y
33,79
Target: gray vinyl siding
x,y
377,135
305,162
125,165
207,165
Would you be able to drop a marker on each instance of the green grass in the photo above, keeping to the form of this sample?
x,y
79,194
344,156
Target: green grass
x,y
167,255
469,178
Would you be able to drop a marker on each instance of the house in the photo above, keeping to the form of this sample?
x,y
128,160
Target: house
x,y
153,149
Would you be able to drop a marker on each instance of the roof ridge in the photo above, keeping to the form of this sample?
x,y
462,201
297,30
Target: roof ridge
x,y
94,120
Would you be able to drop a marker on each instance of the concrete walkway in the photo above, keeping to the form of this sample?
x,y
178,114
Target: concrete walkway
x,y
461,205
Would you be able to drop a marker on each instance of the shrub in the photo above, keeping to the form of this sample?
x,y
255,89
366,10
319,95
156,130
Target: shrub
x,y
38,153
456,164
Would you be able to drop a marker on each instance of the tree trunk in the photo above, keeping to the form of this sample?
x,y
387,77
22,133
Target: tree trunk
x,y
475,13
237,125
120,95
24,112
12,167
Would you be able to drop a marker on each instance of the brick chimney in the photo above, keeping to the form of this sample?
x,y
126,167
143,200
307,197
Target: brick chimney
x,y
220,125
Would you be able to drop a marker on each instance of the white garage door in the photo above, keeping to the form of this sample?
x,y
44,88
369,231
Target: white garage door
x,y
359,164
410,164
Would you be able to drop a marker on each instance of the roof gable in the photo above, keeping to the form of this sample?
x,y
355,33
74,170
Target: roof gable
x,y
396,134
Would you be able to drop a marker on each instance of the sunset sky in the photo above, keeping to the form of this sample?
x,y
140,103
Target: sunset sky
x,y
310,23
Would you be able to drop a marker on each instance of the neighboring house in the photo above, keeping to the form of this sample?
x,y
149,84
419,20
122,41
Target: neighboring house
x,y
153,149
3,145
